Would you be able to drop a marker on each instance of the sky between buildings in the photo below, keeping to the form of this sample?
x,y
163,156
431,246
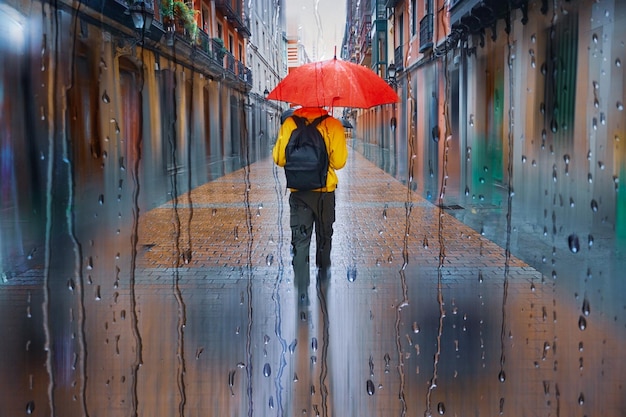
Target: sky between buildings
x,y
320,23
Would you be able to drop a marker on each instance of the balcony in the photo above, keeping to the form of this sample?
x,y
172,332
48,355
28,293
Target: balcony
x,y
426,33
234,14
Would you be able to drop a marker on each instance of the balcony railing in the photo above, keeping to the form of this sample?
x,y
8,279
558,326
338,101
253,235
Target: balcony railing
x,y
235,15
426,32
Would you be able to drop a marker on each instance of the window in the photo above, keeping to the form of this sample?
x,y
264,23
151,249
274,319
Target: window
x,y
413,17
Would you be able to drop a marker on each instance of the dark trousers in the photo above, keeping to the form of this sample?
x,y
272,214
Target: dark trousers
x,y
308,209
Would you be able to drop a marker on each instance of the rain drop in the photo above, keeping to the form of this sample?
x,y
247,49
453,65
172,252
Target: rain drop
x,y
594,205
269,260
523,159
231,381
618,63
590,241
271,402
586,308
267,370
554,126
620,106
30,407
314,344
425,242
573,243
292,346
416,328
351,273
582,323
441,408
105,97
502,376
370,387
581,399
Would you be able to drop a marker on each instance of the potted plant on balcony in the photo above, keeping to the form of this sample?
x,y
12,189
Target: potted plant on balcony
x,y
177,13
218,48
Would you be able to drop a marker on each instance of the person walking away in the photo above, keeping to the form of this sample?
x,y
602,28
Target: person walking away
x,y
316,207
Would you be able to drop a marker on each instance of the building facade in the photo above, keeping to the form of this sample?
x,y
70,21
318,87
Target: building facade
x,y
498,95
157,94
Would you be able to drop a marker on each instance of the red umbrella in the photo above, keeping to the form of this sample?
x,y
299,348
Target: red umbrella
x,y
333,83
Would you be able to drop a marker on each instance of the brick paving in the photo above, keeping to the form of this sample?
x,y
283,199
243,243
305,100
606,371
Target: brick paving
x,y
242,219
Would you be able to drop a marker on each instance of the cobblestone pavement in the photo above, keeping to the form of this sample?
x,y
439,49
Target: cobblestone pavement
x,y
422,315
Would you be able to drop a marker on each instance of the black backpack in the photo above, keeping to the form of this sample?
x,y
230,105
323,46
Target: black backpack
x,y
307,158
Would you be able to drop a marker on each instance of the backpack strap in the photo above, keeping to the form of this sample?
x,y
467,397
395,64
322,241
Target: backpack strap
x,y
319,120
301,121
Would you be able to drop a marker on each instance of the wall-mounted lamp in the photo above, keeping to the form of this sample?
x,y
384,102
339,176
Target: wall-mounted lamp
x,y
142,13
391,74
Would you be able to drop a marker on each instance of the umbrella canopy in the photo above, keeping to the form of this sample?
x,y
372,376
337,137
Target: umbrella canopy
x,y
333,83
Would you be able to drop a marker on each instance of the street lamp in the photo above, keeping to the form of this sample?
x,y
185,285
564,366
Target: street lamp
x,y
142,12
391,74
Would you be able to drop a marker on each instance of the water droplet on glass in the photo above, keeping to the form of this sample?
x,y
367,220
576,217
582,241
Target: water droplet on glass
x,y
618,63
271,402
582,323
467,190
441,408
231,380
314,344
573,243
619,106
269,260
351,273
554,126
30,407
581,399
105,97
416,328
594,205
267,370
502,376
370,387
594,38
425,242
586,308
98,296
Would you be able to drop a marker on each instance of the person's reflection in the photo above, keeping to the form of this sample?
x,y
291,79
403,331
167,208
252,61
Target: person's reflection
x,y
310,355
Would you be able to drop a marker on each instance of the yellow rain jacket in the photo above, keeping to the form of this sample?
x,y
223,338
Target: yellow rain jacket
x,y
334,137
